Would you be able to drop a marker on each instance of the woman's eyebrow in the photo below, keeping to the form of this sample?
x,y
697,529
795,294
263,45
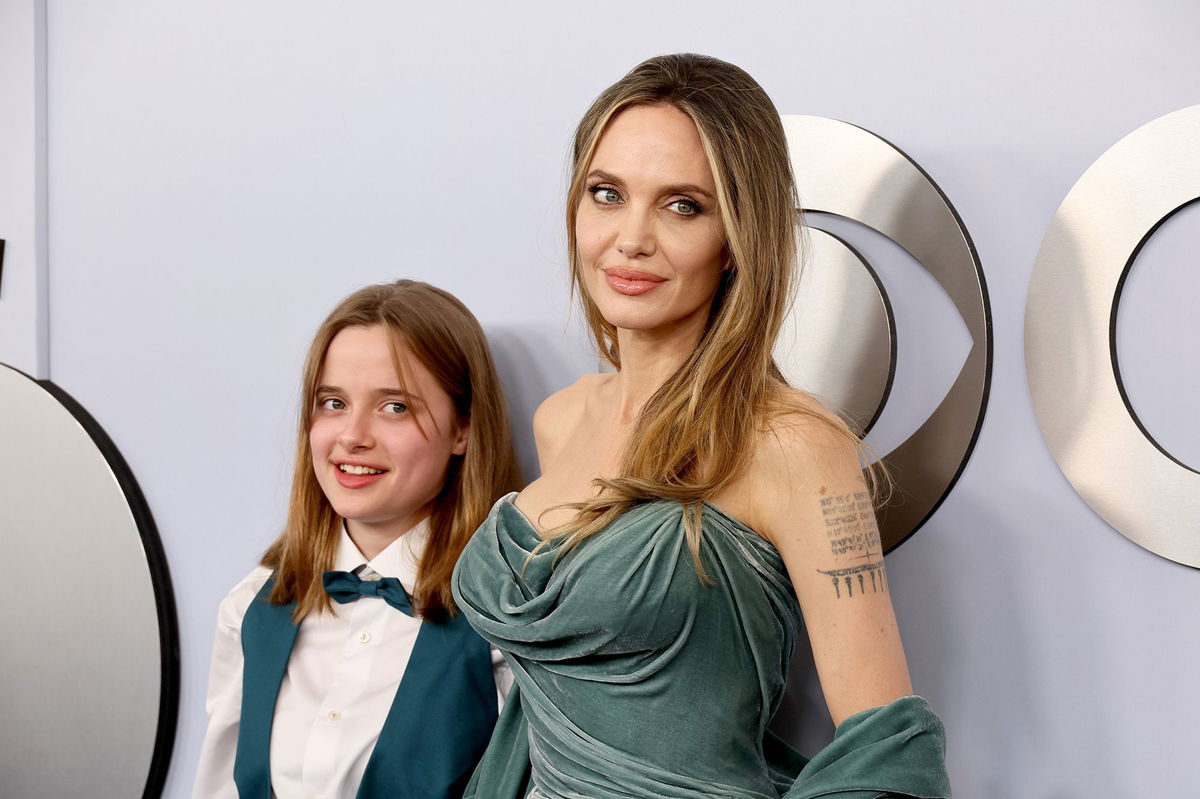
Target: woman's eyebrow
x,y
675,188
605,176
385,391
686,188
397,392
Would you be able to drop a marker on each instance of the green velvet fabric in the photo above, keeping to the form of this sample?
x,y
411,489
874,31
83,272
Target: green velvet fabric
x,y
636,679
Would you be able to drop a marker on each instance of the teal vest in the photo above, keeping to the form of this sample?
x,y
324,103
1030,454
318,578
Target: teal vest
x,y
438,726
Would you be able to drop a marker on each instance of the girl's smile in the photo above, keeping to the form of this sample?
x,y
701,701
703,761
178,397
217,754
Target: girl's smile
x,y
354,475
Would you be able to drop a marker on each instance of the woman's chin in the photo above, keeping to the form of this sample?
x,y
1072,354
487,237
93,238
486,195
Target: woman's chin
x,y
631,313
654,323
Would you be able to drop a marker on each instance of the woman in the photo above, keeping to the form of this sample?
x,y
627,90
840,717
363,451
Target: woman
x,y
648,580
403,446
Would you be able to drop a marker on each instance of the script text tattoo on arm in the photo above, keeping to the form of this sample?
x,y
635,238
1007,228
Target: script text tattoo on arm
x,y
854,543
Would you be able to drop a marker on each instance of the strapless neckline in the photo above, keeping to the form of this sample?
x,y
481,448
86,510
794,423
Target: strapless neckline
x,y
511,497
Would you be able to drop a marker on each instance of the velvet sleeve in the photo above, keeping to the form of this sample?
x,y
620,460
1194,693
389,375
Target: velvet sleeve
x,y
897,750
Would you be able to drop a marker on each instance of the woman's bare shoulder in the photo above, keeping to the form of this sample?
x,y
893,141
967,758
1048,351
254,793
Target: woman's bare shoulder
x,y
800,449
561,411
800,428
568,402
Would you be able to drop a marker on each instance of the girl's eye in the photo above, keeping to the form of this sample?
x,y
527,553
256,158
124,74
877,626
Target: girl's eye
x,y
395,407
605,195
332,404
684,207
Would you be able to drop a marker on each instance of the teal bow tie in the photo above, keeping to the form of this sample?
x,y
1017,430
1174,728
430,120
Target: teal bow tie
x,y
344,587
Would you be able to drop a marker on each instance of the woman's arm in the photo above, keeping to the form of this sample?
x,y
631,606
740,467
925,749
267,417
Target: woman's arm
x,y
811,502
214,775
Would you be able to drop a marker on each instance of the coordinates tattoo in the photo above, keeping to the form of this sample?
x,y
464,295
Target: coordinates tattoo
x,y
854,542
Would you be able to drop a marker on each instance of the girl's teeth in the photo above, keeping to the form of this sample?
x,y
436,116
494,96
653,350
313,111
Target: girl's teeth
x,y
349,469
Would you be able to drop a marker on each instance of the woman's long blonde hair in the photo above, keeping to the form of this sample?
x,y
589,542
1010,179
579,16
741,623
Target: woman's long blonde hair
x,y
444,336
694,434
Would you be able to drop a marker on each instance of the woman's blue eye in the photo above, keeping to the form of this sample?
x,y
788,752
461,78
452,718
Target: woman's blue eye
x,y
395,407
605,195
684,207
332,404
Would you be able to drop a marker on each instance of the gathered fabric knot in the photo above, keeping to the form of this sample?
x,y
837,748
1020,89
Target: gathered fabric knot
x,y
344,587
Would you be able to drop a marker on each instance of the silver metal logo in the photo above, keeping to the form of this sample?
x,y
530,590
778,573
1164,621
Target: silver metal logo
x,y
849,172
1070,358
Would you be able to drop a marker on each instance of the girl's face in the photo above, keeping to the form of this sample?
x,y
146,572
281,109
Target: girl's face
x,y
379,470
650,238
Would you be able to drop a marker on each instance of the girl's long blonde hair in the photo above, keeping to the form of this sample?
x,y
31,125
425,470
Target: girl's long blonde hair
x,y
444,336
694,434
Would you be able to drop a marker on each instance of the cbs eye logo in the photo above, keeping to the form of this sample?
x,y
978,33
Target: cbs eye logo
x,y
843,316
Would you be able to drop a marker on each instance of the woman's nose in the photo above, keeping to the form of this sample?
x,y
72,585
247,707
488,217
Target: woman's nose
x,y
636,234
357,432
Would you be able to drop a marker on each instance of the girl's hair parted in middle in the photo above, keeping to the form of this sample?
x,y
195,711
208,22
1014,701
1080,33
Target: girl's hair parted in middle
x,y
446,338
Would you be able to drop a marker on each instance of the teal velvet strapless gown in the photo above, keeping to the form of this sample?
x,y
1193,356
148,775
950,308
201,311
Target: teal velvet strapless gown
x,y
636,679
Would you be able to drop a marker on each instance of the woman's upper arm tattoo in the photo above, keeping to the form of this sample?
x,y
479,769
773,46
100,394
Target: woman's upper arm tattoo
x,y
854,543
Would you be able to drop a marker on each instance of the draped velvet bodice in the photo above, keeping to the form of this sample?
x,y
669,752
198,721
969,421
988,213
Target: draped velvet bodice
x,y
637,676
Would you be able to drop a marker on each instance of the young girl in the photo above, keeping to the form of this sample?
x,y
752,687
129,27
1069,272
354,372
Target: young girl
x,y
341,667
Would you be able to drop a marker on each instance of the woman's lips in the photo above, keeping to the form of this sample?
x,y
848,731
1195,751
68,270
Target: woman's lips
x,y
355,480
632,282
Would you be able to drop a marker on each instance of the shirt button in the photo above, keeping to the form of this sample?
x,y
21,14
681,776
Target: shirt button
x,y
364,637
372,578
334,715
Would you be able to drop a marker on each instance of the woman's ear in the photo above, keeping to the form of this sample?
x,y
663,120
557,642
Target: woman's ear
x,y
460,440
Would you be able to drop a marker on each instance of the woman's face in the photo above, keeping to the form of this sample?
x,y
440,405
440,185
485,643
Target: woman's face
x,y
378,469
650,238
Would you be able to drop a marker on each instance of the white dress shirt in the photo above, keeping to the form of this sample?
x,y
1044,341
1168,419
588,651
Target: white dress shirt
x,y
339,685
